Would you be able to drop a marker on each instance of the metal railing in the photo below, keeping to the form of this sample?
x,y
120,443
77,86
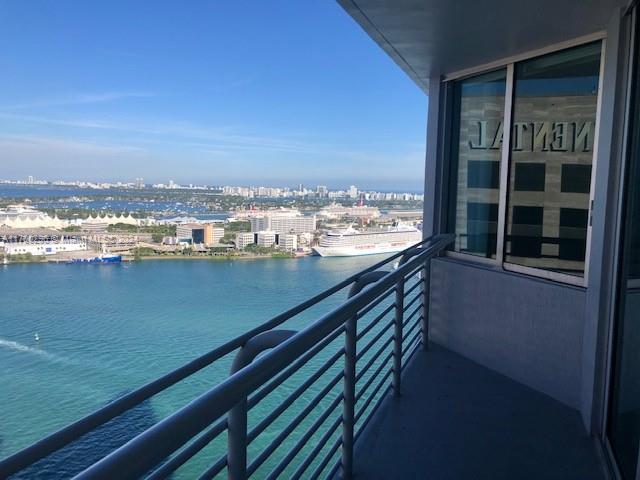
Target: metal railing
x,y
279,407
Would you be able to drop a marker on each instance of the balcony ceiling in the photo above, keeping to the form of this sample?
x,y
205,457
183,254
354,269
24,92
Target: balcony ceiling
x,y
427,38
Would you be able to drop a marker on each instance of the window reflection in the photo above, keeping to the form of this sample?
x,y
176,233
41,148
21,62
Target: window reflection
x,y
477,145
554,116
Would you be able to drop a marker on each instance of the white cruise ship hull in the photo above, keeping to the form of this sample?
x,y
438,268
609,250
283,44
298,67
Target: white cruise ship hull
x,y
356,250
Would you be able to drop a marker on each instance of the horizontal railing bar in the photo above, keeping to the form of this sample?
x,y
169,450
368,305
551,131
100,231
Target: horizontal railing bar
x,y
53,442
406,349
415,325
282,407
334,470
411,315
373,394
417,297
285,432
363,371
214,469
372,378
135,457
371,413
413,287
373,305
332,451
275,473
412,273
374,322
374,340
317,449
202,441
271,386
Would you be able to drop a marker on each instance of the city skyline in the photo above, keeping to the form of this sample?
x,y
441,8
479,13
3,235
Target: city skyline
x,y
349,190
204,94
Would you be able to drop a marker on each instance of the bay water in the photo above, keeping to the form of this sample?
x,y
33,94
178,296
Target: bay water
x,y
74,337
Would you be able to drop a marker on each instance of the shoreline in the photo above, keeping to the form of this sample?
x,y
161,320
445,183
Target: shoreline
x,y
131,259
213,258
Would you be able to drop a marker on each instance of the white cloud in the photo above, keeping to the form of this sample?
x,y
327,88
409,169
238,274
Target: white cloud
x,y
78,99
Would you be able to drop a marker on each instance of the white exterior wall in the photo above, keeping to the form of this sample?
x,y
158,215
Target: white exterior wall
x,y
45,248
218,233
284,224
243,239
288,242
266,239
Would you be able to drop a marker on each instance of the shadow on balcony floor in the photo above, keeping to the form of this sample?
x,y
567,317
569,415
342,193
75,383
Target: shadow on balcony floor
x,y
459,420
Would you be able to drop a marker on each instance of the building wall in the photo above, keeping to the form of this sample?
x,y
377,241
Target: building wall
x,y
243,239
528,329
266,239
287,242
284,224
43,248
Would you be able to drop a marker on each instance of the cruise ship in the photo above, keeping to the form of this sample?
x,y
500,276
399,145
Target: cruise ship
x,y
351,242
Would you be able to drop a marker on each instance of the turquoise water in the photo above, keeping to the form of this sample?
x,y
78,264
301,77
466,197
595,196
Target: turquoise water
x,y
105,330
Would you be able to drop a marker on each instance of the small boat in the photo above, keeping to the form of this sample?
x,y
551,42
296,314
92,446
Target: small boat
x,y
100,259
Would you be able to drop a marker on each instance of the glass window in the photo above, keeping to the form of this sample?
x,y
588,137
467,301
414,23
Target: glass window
x,y
623,427
554,116
478,110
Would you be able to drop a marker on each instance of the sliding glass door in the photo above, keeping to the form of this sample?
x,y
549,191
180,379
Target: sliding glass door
x,y
623,426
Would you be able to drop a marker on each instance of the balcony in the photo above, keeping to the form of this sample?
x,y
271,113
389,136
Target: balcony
x,y
352,394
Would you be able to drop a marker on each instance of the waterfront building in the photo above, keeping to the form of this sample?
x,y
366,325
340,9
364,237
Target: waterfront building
x,y
287,242
266,238
244,239
25,216
39,241
508,346
283,223
99,223
199,233
213,234
190,232
44,248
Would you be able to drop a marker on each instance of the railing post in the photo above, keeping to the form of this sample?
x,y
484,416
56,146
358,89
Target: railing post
x,y
237,441
397,337
424,322
237,417
349,397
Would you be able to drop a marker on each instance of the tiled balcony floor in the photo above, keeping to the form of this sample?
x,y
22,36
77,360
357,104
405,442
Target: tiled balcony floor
x,y
459,420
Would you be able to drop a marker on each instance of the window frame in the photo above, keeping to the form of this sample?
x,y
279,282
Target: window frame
x,y
509,63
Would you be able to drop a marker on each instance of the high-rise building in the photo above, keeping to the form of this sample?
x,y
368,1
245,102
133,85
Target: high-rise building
x,y
284,224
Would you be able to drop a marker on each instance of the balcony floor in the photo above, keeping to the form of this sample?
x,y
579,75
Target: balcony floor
x,y
459,420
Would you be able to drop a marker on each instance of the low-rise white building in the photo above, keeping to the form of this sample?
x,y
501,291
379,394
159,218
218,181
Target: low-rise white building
x,y
266,239
216,235
44,248
244,239
287,242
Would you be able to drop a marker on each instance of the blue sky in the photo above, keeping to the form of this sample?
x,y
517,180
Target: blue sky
x,y
218,92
